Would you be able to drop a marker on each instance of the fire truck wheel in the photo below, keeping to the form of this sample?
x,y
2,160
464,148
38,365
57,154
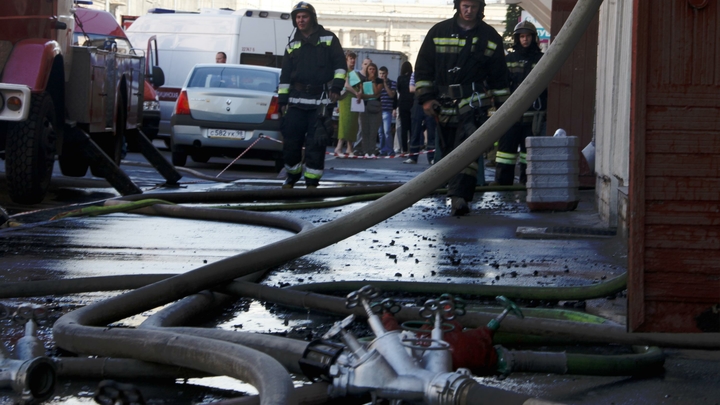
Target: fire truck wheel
x,y
73,161
30,152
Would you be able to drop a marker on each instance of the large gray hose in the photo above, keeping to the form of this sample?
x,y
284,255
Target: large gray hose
x,y
126,369
286,351
209,355
82,331
279,221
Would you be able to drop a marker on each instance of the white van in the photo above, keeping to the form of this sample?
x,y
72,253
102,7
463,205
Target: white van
x,y
253,37
392,60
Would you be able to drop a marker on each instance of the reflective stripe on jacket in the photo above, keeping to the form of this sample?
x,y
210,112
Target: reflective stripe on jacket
x,y
443,60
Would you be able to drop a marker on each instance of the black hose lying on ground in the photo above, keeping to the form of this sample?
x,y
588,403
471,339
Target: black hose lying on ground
x,y
551,330
599,290
207,197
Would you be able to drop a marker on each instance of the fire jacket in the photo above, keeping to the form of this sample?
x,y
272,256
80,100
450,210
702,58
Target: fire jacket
x,y
520,63
467,67
311,66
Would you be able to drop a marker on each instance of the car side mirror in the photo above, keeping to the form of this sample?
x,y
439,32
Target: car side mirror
x,y
158,76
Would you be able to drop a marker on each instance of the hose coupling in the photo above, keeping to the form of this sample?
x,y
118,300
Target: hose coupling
x,y
319,358
445,388
33,379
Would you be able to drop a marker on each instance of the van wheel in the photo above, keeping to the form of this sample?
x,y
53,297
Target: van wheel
x,y
30,152
179,156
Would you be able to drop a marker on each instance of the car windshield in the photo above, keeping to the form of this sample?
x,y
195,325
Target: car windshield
x,y
234,77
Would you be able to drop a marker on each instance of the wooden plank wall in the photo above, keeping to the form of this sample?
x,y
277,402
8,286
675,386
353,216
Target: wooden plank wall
x,y
571,93
674,250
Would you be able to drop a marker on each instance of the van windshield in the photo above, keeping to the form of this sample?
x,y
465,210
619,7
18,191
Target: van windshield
x,y
103,42
234,77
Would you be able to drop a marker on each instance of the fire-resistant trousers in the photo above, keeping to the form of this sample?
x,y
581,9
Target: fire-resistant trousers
x,y
451,137
298,130
507,153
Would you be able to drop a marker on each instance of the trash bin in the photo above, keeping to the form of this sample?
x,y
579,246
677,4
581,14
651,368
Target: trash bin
x,y
552,173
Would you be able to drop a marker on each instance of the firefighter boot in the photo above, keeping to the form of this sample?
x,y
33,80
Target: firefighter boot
x,y
311,183
458,206
504,174
291,180
523,173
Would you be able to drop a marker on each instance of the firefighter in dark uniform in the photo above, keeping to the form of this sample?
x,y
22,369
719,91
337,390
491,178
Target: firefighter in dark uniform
x,y
526,54
460,73
312,76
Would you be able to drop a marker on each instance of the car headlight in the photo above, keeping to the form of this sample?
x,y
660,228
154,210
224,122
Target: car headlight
x,y
151,106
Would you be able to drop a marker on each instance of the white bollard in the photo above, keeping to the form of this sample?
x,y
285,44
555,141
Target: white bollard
x,y
552,173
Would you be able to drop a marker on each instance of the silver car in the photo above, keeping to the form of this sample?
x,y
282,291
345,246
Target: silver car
x,y
225,109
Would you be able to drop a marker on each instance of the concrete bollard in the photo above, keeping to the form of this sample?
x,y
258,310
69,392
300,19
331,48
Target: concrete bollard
x,y
552,173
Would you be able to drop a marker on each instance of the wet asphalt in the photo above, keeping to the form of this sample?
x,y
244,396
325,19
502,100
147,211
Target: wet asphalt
x,y
422,243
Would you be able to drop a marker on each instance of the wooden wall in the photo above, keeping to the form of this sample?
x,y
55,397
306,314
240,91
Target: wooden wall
x,y
674,248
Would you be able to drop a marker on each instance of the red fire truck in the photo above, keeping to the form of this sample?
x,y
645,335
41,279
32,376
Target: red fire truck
x,y
75,101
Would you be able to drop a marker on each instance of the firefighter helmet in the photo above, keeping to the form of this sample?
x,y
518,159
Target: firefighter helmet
x,y
525,27
308,8
481,12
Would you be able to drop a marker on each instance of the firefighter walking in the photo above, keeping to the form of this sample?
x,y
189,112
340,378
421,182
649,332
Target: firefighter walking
x,y
526,54
460,73
312,76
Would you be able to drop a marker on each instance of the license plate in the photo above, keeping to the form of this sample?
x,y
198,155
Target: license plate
x,y
228,133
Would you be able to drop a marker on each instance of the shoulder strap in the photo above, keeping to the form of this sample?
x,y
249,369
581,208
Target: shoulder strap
x,y
465,52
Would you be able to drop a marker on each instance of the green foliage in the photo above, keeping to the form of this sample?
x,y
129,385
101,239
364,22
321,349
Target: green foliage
x,y
512,17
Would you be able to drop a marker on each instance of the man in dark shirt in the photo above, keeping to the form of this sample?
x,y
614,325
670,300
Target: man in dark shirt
x,y
387,99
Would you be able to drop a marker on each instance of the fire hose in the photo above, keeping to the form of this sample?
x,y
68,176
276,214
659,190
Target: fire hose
x,y
83,330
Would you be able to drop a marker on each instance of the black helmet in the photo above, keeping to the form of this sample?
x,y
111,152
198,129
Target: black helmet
x,y
307,7
481,12
525,27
